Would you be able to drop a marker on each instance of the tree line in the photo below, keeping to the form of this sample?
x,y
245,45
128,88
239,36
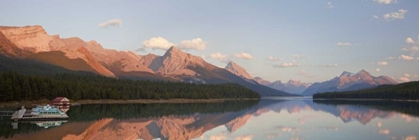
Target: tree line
x,y
18,87
403,91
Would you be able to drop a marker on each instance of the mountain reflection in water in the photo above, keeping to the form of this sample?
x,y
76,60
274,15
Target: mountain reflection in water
x,y
266,119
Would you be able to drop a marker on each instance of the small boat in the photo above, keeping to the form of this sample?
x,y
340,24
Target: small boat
x,y
39,113
47,112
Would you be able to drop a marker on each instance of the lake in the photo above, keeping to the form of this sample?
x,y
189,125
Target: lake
x,y
290,119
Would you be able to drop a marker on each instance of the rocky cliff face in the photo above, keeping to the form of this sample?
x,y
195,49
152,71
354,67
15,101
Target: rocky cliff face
x,y
34,39
30,38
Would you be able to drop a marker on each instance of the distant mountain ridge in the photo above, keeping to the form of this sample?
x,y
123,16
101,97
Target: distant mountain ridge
x,y
33,42
349,81
292,86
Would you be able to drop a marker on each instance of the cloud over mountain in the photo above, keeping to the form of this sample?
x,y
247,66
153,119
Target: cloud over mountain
x,y
406,57
194,44
163,44
285,65
383,63
157,43
243,55
271,58
219,56
400,14
344,44
111,23
385,1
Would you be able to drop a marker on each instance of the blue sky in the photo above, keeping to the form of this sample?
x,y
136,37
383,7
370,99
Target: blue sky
x,y
308,40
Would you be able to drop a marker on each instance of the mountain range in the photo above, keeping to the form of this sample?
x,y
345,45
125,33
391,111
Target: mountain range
x,y
33,43
349,81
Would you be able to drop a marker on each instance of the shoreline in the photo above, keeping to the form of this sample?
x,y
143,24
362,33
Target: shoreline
x,y
365,99
109,101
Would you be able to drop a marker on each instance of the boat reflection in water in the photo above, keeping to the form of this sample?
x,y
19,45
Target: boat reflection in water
x,y
47,124
266,119
42,124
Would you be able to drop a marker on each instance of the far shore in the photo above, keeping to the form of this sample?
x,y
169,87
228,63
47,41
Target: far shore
x,y
28,104
365,99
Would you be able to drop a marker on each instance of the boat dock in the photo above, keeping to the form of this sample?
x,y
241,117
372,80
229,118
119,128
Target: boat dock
x,y
24,114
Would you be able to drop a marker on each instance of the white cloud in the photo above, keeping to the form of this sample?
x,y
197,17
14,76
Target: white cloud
x,y
385,1
218,56
299,56
414,49
195,44
390,58
404,79
379,124
271,58
409,40
406,57
157,43
163,44
395,15
330,5
244,55
375,16
110,23
272,136
384,131
219,137
329,65
411,137
246,137
287,129
378,69
407,75
284,65
343,44
203,56
383,63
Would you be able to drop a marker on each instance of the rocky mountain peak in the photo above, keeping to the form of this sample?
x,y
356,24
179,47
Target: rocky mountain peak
x,y
173,51
262,81
363,73
237,70
294,82
346,73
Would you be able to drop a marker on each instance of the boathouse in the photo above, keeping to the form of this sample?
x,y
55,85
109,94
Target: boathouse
x,y
60,101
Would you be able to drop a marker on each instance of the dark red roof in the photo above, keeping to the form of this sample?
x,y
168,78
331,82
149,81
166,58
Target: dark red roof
x,y
58,99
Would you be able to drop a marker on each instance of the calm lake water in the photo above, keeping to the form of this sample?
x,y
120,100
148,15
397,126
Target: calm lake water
x,y
292,119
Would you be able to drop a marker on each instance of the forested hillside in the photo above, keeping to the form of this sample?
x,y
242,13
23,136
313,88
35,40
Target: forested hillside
x,y
18,87
405,91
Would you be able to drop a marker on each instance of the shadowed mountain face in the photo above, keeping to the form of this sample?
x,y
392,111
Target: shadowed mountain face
x,y
33,43
189,121
349,81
